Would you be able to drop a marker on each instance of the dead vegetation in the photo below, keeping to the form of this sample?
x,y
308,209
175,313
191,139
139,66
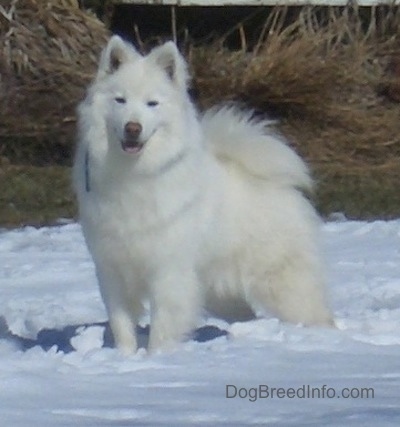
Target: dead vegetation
x,y
325,79
331,76
48,53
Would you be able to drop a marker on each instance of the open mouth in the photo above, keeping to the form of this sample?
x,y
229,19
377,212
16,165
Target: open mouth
x,y
132,146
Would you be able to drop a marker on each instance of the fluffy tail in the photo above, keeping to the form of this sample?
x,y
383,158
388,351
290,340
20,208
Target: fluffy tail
x,y
234,136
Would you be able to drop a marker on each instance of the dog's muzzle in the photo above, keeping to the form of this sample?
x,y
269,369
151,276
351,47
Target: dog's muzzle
x,y
131,142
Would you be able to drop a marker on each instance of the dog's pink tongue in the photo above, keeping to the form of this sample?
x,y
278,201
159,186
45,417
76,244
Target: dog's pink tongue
x,y
133,150
131,147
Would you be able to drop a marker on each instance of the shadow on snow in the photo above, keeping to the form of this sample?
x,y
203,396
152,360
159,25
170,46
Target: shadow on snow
x,y
61,338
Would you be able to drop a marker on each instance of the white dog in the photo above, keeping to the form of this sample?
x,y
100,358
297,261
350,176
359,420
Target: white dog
x,y
189,213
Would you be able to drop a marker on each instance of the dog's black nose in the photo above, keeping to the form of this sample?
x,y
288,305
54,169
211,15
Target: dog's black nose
x,y
133,130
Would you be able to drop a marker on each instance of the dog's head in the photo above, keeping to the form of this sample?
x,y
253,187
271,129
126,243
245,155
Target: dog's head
x,y
118,53
143,96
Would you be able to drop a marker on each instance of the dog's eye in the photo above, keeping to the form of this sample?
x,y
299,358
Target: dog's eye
x,y
152,103
120,100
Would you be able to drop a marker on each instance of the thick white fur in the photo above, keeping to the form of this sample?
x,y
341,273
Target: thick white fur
x,y
210,213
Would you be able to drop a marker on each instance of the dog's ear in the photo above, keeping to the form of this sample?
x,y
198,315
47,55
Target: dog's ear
x,y
171,61
116,53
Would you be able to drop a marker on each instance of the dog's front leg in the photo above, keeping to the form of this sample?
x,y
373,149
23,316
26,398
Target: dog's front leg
x,y
123,329
175,306
122,312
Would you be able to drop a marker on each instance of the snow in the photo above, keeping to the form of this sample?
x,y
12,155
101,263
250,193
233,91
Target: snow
x,y
58,367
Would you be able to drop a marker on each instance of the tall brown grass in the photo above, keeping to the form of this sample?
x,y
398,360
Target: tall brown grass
x,y
324,75
48,54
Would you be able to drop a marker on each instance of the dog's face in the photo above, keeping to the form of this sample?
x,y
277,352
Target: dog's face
x,y
143,96
138,100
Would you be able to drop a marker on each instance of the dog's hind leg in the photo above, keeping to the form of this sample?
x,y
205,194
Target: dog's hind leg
x,y
294,291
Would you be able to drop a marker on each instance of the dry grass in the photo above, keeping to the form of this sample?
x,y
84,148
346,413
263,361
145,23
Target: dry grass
x,y
323,80
324,74
48,53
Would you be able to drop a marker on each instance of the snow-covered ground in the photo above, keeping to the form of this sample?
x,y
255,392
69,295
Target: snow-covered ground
x,y
57,369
